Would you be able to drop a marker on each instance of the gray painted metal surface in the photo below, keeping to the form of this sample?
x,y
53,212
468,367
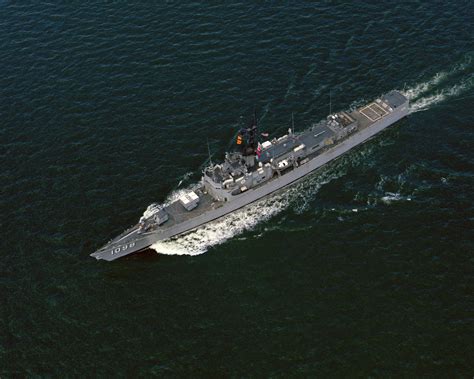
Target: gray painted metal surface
x,y
323,142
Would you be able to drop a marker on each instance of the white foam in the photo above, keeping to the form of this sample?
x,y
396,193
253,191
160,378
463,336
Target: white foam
x,y
425,103
391,197
184,178
419,89
199,241
424,95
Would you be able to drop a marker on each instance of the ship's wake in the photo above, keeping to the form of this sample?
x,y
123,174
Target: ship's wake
x,y
442,86
200,240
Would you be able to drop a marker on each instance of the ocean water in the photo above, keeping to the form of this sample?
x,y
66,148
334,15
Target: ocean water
x,y
363,270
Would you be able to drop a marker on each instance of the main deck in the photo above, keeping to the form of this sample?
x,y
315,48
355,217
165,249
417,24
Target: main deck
x,y
358,126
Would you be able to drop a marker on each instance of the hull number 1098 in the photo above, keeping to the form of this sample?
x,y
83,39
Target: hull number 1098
x,y
117,250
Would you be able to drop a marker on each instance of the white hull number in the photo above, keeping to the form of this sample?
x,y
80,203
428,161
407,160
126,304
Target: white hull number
x,y
122,248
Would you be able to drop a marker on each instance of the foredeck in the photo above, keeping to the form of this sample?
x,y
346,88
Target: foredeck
x,y
178,214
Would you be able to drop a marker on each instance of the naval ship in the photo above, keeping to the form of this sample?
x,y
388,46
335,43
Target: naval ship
x,y
255,170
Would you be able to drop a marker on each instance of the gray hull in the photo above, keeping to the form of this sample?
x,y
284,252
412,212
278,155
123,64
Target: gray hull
x,y
132,240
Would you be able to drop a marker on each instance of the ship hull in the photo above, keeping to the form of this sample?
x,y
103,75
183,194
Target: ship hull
x,y
134,241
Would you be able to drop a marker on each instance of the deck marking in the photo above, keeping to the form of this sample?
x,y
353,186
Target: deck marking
x,y
369,111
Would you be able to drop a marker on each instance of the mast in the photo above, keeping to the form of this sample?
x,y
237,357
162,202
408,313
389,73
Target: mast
x,y
250,142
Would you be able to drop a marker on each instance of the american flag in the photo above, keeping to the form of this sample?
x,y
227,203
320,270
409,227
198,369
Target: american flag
x,y
259,150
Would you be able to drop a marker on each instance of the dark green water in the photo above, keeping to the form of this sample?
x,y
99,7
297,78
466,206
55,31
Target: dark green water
x,y
365,269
